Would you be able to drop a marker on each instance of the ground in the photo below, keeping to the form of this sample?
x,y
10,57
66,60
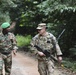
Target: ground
x,y
23,64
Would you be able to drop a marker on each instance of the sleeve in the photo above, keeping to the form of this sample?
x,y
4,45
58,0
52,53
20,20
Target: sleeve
x,y
14,41
56,46
32,48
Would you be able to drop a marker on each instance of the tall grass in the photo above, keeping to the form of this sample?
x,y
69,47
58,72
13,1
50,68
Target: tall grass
x,y
23,40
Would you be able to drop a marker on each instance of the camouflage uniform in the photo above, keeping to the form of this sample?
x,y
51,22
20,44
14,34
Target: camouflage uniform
x,y
47,42
7,44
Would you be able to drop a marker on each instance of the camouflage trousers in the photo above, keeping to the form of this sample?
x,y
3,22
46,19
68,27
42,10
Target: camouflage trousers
x,y
45,67
7,61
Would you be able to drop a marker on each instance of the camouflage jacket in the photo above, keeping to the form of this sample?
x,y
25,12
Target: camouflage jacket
x,y
47,42
7,43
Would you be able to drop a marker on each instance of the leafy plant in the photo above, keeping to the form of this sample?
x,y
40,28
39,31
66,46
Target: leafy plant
x,y
70,64
23,40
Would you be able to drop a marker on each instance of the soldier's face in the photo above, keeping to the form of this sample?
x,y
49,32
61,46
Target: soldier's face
x,y
41,31
6,30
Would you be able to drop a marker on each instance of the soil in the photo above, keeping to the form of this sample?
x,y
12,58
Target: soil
x,y
25,64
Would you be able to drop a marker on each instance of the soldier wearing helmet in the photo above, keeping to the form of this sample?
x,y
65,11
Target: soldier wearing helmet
x,y
46,41
8,44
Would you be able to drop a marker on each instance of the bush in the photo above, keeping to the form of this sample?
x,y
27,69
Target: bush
x,y
23,40
70,64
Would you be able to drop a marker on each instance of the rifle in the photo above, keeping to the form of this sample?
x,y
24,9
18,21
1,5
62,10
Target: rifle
x,y
60,34
46,52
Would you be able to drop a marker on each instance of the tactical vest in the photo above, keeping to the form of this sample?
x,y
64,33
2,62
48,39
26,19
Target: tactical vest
x,y
45,42
5,43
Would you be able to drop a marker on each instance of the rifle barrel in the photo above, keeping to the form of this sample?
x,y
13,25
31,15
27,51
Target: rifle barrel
x,y
60,34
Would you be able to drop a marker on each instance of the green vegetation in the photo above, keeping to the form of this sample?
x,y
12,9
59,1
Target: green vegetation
x,y
57,14
70,65
23,40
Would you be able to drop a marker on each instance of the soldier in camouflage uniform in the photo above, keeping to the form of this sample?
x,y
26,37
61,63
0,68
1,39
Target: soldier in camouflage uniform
x,y
45,41
8,45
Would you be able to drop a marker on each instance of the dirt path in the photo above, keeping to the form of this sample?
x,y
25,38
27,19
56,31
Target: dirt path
x,y
25,65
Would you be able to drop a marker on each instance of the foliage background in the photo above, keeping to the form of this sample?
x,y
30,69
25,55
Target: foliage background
x,y
57,14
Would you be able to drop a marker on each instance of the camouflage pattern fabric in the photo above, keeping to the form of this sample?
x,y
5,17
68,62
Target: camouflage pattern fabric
x,y
7,44
47,42
7,62
1,65
45,67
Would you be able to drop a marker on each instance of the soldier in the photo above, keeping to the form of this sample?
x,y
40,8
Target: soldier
x,y
45,41
8,45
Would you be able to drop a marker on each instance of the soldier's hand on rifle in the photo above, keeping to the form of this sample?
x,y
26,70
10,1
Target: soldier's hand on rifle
x,y
41,53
